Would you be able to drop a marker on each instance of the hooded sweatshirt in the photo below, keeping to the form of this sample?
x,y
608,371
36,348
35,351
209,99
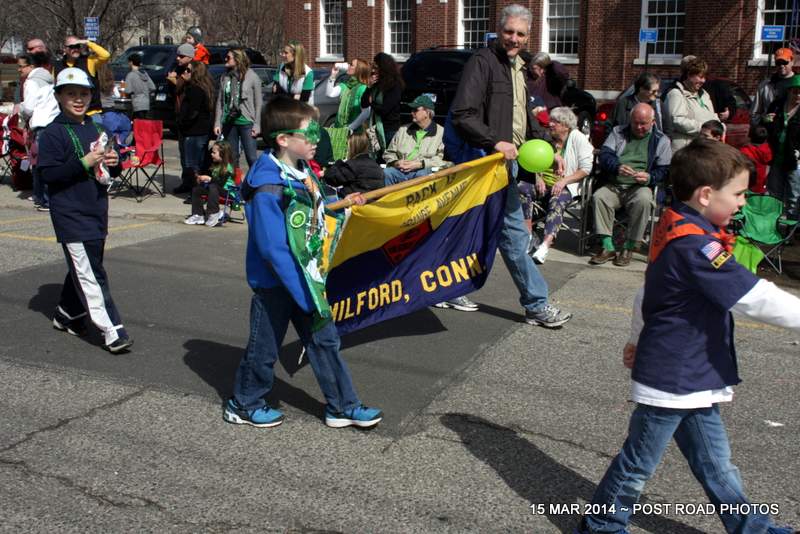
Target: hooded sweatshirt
x,y
139,86
78,202
39,105
270,262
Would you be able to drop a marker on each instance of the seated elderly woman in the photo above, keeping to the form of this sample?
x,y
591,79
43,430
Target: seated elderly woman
x,y
416,148
558,190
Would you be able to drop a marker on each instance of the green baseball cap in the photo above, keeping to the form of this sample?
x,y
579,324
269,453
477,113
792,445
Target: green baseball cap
x,y
422,101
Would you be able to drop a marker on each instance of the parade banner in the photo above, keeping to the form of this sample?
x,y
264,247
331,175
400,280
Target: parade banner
x,y
417,246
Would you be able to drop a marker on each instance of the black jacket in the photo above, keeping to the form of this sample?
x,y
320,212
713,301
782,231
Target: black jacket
x,y
792,143
388,110
483,105
360,174
194,116
78,202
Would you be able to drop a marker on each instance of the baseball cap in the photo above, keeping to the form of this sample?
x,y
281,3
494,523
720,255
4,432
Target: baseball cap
x,y
784,54
73,76
186,50
423,101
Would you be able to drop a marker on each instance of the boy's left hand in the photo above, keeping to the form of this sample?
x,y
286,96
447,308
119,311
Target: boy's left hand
x,y
629,355
356,198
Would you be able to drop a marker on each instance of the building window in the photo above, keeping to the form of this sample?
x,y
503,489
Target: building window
x,y
474,22
398,27
669,18
560,34
168,40
331,30
776,13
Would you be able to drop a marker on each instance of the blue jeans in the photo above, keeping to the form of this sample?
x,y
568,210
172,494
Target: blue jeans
x,y
270,313
235,134
395,176
701,438
194,151
513,245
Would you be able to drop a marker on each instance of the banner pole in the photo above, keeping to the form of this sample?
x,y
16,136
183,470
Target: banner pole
x,y
378,193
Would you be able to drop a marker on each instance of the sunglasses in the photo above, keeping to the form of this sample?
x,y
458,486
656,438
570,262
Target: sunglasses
x,y
781,62
187,71
310,132
74,46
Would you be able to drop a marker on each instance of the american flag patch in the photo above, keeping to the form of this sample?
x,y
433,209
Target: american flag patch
x,y
712,250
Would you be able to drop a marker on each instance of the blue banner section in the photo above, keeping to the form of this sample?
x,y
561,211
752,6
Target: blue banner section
x,y
418,268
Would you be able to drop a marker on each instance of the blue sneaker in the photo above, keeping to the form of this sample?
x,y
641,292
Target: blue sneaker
x,y
264,417
360,416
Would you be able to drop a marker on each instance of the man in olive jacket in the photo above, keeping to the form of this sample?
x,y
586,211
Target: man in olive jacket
x,y
490,111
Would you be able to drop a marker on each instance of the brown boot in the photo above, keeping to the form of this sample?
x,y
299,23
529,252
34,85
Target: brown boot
x,y
602,257
623,259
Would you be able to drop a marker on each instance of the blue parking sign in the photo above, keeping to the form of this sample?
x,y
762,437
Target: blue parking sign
x,y
772,33
91,28
647,35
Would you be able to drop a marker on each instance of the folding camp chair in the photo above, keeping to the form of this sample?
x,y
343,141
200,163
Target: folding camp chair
x,y
763,225
575,220
5,148
232,201
148,150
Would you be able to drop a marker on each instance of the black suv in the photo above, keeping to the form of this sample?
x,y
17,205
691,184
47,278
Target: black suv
x,y
158,61
438,71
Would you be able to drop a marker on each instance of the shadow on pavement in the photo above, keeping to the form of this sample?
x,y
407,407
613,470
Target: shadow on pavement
x,y
535,476
45,302
216,363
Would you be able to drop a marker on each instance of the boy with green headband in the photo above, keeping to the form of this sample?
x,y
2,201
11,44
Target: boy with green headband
x,y
282,289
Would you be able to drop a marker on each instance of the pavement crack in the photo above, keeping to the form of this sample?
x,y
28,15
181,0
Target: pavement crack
x,y
63,422
122,500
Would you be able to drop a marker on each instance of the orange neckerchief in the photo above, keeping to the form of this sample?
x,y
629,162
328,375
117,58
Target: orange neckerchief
x,y
672,225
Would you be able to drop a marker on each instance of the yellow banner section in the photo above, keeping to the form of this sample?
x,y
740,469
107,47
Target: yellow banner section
x,y
370,226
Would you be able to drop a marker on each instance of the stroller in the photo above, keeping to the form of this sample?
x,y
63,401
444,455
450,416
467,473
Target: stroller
x,y
14,161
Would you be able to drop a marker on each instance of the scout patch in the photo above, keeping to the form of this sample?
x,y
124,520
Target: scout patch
x,y
716,253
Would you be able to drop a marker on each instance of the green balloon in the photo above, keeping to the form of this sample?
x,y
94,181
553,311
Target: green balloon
x,y
536,155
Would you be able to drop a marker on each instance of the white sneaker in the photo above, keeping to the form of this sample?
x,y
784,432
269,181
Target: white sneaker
x,y
541,254
458,303
214,219
194,219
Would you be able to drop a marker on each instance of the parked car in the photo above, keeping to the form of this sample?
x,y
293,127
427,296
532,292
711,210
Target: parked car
x,y
438,71
737,125
158,61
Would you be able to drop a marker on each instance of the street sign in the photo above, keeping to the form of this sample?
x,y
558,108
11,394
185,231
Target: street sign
x,y
772,33
91,28
646,35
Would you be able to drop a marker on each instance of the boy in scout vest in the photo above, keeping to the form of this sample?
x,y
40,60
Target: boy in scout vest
x,y
681,348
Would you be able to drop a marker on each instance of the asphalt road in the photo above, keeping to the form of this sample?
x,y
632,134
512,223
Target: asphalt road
x,y
485,416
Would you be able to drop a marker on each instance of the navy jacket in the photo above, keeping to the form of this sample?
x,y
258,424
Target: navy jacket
x,y
78,202
686,344
659,154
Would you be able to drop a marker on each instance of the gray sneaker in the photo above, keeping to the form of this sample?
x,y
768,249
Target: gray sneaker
x,y
214,219
460,304
548,317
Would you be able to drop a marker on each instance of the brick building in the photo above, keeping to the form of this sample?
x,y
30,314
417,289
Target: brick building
x,y
597,39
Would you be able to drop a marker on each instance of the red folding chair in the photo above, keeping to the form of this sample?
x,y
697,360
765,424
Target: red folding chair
x,y
148,150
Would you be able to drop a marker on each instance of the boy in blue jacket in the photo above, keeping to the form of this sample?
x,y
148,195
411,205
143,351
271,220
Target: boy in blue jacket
x,y
280,293
681,348
75,164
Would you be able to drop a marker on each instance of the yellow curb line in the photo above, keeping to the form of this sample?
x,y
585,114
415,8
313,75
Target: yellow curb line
x,y
52,239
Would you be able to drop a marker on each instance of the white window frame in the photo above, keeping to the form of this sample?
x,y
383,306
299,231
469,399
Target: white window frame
x,y
656,59
760,59
462,30
324,53
567,59
387,33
